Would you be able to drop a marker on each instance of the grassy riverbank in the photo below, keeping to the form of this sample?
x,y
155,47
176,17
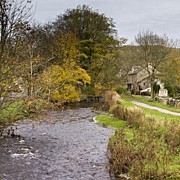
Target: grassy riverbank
x,y
152,103
159,116
142,147
11,113
23,108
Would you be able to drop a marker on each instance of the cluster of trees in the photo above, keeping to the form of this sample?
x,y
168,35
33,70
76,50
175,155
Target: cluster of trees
x,y
87,37
56,61
158,51
14,29
78,52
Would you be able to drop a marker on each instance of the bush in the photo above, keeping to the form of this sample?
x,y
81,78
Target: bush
x,y
10,114
172,91
122,90
111,98
134,115
171,136
35,106
141,157
149,151
121,154
169,131
88,90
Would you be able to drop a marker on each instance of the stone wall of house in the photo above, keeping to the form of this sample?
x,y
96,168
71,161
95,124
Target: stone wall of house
x,y
144,84
169,101
143,74
132,78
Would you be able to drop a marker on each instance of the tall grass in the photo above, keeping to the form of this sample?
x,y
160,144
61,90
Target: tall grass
x,y
151,151
168,131
141,157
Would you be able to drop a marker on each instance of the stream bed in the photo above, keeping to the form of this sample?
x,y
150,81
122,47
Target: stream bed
x,y
69,146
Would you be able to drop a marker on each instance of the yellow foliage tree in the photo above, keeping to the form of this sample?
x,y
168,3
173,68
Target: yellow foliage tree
x,y
62,83
63,79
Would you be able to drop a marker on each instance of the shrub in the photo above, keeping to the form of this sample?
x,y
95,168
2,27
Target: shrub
x,y
120,112
134,115
172,91
149,151
141,157
88,90
35,105
122,90
111,98
121,154
171,136
170,131
10,114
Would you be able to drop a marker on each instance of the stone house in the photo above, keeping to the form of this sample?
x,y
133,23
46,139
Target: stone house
x,y
138,79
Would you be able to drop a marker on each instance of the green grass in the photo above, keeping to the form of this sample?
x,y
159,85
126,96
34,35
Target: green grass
x,y
154,141
137,138
159,116
11,113
108,120
153,103
155,155
115,123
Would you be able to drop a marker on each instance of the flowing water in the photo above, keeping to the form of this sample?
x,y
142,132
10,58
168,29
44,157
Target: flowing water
x,y
69,146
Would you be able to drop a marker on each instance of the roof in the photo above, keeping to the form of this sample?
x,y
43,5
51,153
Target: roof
x,y
135,70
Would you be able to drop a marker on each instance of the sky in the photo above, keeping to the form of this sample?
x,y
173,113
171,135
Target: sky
x,y
130,16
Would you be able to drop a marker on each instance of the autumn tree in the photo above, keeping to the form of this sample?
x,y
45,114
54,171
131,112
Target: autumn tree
x,y
86,24
63,80
45,36
62,83
14,16
153,51
96,34
170,71
41,51
31,63
14,26
127,58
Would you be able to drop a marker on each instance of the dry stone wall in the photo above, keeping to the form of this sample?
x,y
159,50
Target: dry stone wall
x,y
169,101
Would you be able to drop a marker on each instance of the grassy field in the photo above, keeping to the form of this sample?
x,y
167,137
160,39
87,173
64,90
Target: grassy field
x,y
143,148
159,116
110,121
152,103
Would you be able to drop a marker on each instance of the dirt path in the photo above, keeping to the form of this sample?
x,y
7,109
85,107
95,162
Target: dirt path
x,y
155,108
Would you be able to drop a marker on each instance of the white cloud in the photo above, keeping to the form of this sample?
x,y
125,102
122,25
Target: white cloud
x,y
130,16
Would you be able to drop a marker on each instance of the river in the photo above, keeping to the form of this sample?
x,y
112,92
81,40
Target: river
x,y
69,146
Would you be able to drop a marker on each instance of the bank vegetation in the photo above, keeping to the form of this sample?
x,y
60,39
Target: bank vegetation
x,y
143,147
